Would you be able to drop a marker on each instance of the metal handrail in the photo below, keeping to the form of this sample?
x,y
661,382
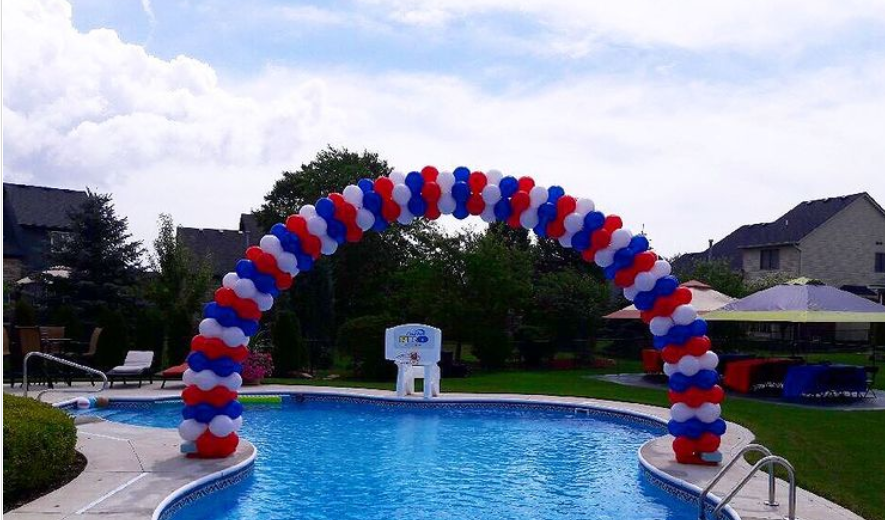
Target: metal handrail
x,y
65,362
769,460
758,448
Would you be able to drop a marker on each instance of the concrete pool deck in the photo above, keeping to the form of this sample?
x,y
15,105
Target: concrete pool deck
x,y
132,469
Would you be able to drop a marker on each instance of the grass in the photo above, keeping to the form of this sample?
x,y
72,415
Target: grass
x,y
837,454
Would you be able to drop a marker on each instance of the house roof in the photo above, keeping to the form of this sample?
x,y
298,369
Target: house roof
x,y
39,206
789,228
222,247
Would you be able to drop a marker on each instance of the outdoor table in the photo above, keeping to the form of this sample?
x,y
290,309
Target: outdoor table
x,y
740,375
820,379
652,363
56,345
726,359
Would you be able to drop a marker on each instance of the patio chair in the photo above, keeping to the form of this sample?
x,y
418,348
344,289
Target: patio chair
x,y
137,365
8,365
871,379
176,372
29,340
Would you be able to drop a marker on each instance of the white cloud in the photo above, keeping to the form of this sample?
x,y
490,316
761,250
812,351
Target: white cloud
x,y
690,160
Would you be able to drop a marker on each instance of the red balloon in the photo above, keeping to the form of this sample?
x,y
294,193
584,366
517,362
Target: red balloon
x,y
296,224
348,213
477,181
432,212
682,296
526,184
354,234
212,447
588,255
475,204
384,187
218,396
612,222
600,239
520,201
625,277
698,345
555,229
683,447
390,210
708,442
337,199
565,205
431,192
716,394
311,245
429,173
645,261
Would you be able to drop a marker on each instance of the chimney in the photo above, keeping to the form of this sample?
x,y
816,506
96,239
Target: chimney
x,y
248,242
710,250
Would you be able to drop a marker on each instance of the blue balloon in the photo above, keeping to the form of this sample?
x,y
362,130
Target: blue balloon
x,y
503,210
547,212
232,409
460,212
460,191
610,272
372,202
337,231
508,185
666,285
624,258
245,269
541,228
717,427
639,243
417,206
366,185
554,193
645,300
414,181
593,221
305,262
325,208
698,327
581,241
380,224
461,173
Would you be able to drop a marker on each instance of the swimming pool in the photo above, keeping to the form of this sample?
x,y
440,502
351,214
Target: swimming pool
x,y
323,458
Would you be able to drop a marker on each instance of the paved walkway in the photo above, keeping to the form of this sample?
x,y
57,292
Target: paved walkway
x,y
131,469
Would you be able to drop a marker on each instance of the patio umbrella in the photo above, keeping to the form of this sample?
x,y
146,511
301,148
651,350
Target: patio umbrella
x,y
801,301
703,297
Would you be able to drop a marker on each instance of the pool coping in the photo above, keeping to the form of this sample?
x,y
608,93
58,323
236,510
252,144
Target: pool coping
x,y
217,481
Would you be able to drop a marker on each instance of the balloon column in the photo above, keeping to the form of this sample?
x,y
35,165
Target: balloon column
x,y
212,414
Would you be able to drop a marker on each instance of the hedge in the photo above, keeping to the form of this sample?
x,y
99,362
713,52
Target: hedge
x,y
363,339
38,446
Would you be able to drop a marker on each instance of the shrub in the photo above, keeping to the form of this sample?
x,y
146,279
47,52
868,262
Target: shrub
x,y
257,366
534,349
38,446
66,316
150,333
290,352
180,331
492,347
363,339
114,340
25,316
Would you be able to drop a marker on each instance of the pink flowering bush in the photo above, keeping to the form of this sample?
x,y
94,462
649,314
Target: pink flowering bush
x,y
257,366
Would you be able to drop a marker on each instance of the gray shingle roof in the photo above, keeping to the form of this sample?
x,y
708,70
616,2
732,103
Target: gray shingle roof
x,y
39,206
790,228
222,247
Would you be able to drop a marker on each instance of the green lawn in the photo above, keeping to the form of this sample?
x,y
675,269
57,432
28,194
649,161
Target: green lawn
x,y
839,455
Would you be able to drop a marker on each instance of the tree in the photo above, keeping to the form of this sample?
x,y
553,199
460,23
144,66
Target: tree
x,y
716,273
568,304
290,353
178,288
103,260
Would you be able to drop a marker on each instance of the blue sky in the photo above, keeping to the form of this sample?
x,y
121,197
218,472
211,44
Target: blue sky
x,y
689,117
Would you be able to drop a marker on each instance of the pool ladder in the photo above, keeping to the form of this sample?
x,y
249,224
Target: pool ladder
x,y
68,363
768,460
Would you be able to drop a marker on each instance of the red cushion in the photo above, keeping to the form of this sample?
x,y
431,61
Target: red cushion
x,y
177,370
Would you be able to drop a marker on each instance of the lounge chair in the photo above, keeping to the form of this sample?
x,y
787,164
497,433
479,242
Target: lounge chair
x,y
176,372
137,365
870,372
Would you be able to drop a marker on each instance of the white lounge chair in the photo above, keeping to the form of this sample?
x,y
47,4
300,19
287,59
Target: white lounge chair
x,y
136,365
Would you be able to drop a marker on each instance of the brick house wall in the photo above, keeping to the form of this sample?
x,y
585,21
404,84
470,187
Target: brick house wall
x,y
790,262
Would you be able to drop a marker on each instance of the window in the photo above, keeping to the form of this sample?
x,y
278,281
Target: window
x,y
880,262
770,259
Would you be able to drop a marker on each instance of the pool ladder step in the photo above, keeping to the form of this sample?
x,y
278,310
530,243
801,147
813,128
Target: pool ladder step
x,y
770,460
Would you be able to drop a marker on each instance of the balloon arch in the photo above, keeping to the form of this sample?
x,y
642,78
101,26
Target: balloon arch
x,y
212,414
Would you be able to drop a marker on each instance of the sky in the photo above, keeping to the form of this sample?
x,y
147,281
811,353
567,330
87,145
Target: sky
x,y
688,118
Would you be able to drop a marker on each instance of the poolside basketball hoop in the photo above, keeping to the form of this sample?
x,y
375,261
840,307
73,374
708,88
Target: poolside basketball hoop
x,y
415,349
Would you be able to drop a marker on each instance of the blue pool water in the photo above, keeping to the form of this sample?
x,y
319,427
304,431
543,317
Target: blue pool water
x,y
340,461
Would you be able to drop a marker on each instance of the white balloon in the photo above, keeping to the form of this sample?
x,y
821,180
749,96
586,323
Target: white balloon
x,y
585,206
566,239
83,403
689,365
207,380
661,269
488,214
660,325
644,281
405,217
446,204
681,412
365,219
328,245
709,360
233,336
620,238
631,292
529,218
445,180
287,262
354,195
191,429
397,177
264,301
271,244
537,196
221,426
210,328
684,314
307,211
229,280
669,369
491,194
402,194
573,222
245,288
494,176
604,257
317,226
708,412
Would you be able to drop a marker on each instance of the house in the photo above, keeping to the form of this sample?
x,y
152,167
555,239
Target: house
x,y
838,240
34,218
221,247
